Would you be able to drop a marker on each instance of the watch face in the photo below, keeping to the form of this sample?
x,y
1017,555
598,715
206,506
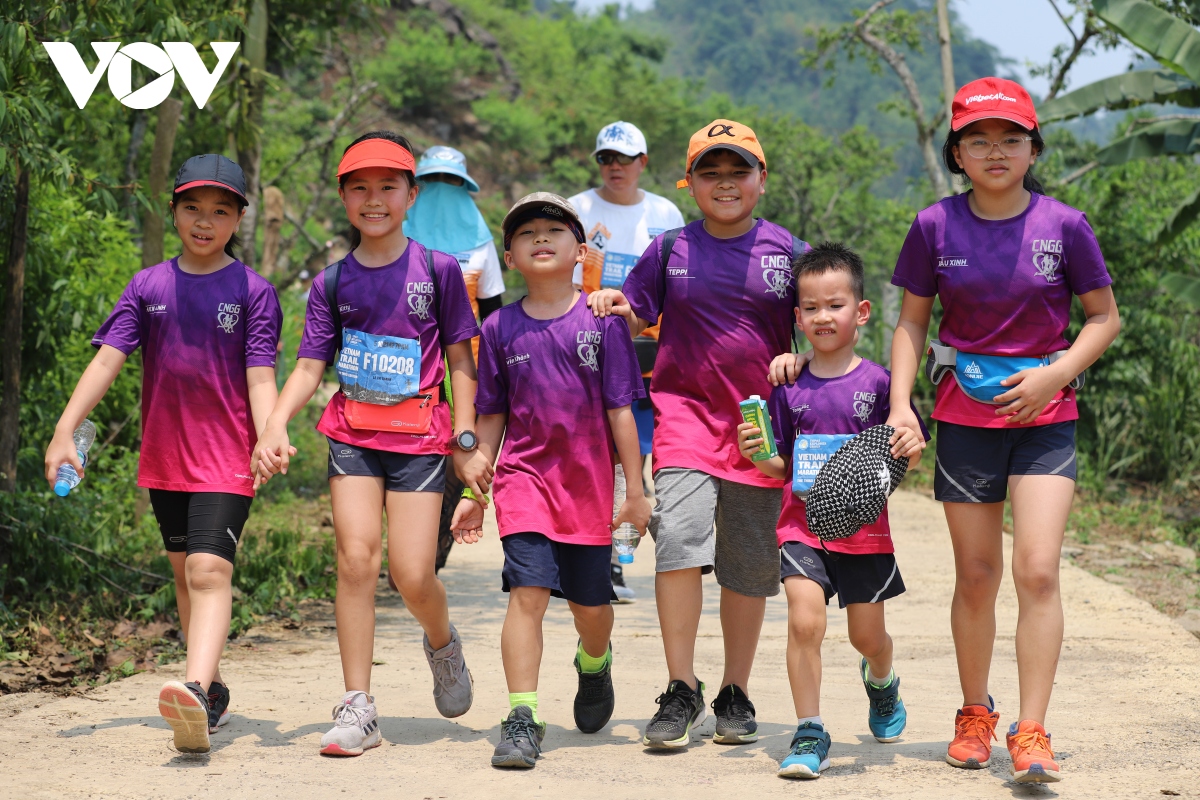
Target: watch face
x,y
467,440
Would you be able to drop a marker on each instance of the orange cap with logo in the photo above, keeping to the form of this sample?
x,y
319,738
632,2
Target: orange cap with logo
x,y
722,134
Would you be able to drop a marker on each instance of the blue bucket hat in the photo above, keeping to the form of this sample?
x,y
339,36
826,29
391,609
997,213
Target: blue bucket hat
x,y
446,160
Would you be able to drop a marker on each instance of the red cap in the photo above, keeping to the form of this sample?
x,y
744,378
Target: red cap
x,y
993,98
376,153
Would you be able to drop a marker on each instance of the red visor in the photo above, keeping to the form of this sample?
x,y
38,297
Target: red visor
x,y
376,153
217,184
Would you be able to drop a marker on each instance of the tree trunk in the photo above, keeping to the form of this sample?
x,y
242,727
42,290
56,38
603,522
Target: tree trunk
x,y
160,169
249,140
137,135
949,87
10,355
272,199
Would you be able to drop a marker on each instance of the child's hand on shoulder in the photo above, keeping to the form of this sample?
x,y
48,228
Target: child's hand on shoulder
x,y
604,302
636,511
749,439
786,368
466,526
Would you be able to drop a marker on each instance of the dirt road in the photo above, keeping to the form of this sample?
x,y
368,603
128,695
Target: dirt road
x,y
1124,717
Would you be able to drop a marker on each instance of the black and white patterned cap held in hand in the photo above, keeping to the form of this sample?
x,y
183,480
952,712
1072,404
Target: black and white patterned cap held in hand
x,y
852,488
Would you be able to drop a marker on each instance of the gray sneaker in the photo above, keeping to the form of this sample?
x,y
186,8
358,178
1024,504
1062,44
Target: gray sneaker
x,y
355,726
184,706
453,689
520,740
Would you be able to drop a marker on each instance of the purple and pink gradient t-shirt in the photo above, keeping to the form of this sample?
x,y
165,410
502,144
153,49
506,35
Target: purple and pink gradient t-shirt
x,y
198,334
848,404
727,311
1005,287
393,300
556,378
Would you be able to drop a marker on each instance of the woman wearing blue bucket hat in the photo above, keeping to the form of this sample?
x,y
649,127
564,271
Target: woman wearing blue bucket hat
x,y
445,218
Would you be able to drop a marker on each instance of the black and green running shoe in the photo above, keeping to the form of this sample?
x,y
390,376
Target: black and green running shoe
x,y
680,708
595,698
735,717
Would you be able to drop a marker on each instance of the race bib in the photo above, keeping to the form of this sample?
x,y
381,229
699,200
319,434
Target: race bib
x,y
381,370
617,267
809,454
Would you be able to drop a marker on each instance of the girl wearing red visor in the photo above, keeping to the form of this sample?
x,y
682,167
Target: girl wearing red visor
x,y
389,315
1006,260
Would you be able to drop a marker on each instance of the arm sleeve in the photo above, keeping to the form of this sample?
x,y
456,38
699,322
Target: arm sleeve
x,y
123,328
319,340
456,318
914,267
622,378
492,395
263,323
491,280
645,286
490,305
1085,268
781,422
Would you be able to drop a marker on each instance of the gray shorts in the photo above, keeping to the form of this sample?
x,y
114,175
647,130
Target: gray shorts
x,y
743,549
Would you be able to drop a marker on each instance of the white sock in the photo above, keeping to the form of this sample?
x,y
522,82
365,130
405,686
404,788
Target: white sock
x,y
881,683
814,720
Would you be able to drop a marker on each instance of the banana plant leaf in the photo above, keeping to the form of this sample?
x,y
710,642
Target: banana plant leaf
x,y
1174,43
1127,90
1183,215
1184,287
1172,137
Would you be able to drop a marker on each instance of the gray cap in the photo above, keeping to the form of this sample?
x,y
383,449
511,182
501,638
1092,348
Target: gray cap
x,y
852,487
541,204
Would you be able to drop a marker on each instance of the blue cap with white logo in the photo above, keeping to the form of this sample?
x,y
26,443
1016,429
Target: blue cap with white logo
x,y
448,161
622,137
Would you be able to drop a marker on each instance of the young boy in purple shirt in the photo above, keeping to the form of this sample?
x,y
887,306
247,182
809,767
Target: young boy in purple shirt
x,y
725,292
837,395
555,384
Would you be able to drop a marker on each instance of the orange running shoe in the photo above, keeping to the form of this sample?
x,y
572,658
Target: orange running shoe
x,y
974,730
1032,758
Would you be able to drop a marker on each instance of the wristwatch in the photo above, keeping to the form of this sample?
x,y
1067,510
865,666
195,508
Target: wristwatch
x,y
466,441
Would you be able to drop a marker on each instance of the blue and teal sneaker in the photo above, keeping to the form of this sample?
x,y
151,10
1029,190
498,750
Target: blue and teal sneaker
x,y
809,754
887,717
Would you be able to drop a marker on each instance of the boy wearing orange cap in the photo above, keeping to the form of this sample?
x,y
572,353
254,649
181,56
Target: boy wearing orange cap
x,y
723,287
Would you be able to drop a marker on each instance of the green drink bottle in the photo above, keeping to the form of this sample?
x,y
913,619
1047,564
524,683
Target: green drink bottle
x,y
754,411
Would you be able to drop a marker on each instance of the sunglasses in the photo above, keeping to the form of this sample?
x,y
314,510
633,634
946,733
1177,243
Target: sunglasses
x,y
606,157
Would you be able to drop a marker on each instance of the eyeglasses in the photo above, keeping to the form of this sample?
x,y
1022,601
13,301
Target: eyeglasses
x,y
606,157
980,147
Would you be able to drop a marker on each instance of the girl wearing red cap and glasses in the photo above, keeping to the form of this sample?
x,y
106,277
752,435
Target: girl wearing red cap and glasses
x,y
1005,261
397,313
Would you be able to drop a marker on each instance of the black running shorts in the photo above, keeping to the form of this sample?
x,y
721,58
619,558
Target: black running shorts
x,y
200,522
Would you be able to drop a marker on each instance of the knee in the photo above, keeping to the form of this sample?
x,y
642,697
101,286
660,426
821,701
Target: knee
x,y
207,576
869,643
416,586
529,601
977,581
592,616
358,564
1037,582
806,629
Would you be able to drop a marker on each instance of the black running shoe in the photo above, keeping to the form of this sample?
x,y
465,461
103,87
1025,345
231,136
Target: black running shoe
x,y
595,699
218,706
520,740
621,592
679,709
735,717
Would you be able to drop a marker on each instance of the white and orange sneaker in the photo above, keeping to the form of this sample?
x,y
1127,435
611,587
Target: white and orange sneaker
x,y
1032,759
355,726
184,706
974,730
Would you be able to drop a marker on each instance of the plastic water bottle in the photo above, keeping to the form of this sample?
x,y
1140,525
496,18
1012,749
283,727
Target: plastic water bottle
x,y
625,538
68,478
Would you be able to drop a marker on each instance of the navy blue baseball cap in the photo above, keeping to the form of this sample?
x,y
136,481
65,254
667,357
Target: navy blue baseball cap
x,y
211,169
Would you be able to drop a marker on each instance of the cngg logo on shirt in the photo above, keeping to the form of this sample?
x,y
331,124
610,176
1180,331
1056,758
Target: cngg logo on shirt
x,y
172,57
